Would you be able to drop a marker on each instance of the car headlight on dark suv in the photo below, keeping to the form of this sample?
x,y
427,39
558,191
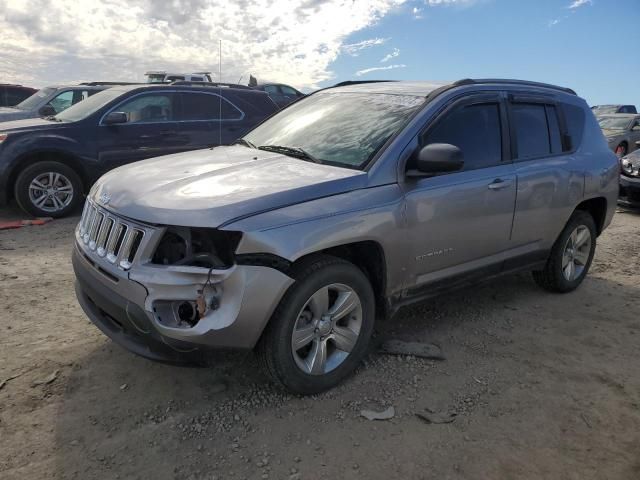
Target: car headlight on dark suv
x,y
630,167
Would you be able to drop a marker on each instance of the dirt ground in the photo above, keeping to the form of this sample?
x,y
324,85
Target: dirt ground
x,y
543,387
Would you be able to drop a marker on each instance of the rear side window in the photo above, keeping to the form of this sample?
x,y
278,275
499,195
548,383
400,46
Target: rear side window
x,y
204,106
574,117
272,89
474,129
555,135
532,130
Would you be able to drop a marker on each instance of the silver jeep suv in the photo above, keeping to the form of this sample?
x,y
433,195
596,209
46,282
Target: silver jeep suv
x,y
338,210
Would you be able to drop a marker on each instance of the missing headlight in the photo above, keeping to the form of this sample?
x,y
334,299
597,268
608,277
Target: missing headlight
x,y
200,247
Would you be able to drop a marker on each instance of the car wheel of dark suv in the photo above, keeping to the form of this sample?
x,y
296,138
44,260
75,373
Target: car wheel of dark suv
x,y
320,331
48,189
571,255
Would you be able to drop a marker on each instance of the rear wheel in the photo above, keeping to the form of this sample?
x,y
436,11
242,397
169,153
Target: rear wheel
x,y
571,255
320,331
48,189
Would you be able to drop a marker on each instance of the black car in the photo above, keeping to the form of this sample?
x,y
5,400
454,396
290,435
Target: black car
x,y
11,95
48,164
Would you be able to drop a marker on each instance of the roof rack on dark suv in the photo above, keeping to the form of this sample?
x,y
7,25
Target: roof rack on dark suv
x,y
187,83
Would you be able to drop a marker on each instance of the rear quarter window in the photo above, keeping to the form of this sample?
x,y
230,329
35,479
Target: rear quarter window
x,y
574,117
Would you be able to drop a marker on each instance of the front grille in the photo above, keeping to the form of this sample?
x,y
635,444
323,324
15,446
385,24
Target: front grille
x,y
109,236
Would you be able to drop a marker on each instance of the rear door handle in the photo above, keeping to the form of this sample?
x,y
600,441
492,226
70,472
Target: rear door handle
x,y
499,184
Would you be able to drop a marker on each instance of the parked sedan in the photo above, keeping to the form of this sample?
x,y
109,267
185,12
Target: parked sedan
x,y
47,164
630,179
49,101
622,132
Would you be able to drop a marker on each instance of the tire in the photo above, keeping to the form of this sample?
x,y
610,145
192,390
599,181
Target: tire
x,y
295,369
622,150
558,275
33,183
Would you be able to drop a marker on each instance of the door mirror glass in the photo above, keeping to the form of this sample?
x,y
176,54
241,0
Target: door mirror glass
x,y
47,111
438,158
114,118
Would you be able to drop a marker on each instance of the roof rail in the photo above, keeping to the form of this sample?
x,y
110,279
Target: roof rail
x,y
210,84
476,81
96,84
357,82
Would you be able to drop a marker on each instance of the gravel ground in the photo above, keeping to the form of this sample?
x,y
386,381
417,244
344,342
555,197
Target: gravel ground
x,y
541,385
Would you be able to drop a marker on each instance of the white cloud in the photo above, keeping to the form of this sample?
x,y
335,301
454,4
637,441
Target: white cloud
x,y
554,22
417,13
359,73
390,56
579,3
448,2
55,41
353,49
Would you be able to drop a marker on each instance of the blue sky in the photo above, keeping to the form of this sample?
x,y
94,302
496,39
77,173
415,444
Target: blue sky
x,y
591,48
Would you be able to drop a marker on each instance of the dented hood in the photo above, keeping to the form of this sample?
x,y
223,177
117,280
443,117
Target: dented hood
x,y
208,188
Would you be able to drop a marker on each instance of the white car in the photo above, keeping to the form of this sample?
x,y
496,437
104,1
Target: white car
x,y
163,77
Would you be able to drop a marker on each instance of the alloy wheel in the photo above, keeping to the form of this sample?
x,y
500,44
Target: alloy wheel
x,y
327,329
51,191
576,253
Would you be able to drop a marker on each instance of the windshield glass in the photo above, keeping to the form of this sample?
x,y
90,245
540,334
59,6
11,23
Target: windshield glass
x,y
614,123
34,100
605,109
345,129
86,107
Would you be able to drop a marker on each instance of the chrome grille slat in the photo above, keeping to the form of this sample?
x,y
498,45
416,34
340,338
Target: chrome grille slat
x,y
112,238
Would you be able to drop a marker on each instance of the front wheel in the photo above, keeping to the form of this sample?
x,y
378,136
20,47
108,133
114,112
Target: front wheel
x,y
571,255
48,189
320,331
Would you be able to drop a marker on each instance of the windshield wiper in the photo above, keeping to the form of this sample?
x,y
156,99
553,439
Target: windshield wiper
x,y
296,152
246,143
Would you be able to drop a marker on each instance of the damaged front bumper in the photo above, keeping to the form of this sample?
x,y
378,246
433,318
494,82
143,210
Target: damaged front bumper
x,y
138,307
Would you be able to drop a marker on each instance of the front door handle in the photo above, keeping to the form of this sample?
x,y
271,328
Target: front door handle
x,y
499,184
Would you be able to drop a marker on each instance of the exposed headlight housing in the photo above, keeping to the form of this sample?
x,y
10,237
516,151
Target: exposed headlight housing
x,y
630,168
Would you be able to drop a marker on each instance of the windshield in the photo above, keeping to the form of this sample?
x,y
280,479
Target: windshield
x,y
34,100
605,109
614,123
86,107
344,129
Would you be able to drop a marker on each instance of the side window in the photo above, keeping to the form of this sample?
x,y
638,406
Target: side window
x,y
148,108
476,130
554,129
15,96
204,106
574,117
532,131
197,79
272,89
174,78
62,101
80,95
288,91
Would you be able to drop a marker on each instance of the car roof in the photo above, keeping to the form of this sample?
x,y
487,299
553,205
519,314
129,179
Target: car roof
x,y
194,87
78,87
424,88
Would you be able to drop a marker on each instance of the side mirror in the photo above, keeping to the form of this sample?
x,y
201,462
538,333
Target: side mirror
x,y
114,118
47,111
437,158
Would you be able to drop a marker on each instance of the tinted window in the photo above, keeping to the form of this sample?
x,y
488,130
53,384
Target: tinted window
x,y
197,79
531,129
574,117
554,129
17,95
288,90
474,129
148,108
174,78
272,89
205,106
62,101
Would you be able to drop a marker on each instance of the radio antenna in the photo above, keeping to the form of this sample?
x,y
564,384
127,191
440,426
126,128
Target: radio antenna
x,y
220,92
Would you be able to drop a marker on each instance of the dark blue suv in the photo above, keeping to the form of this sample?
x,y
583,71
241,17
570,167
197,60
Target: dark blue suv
x,y
48,164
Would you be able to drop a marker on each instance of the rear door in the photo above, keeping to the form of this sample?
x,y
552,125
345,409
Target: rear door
x,y
208,119
549,185
152,130
461,222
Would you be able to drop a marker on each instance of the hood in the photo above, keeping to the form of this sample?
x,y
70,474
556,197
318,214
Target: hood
x,y
8,113
208,188
27,124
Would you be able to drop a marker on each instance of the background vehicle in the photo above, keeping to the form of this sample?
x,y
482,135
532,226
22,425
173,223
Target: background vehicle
x,y
622,132
281,94
49,101
164,77
342,207
630,179
11,95
47,164
610,109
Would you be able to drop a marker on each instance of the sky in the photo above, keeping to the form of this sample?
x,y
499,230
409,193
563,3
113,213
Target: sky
x,y
588,45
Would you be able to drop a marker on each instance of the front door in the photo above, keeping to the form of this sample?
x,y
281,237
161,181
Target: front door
x,y
460,222
151,130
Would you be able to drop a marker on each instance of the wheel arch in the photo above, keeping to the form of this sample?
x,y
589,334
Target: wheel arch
x,y
597,208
